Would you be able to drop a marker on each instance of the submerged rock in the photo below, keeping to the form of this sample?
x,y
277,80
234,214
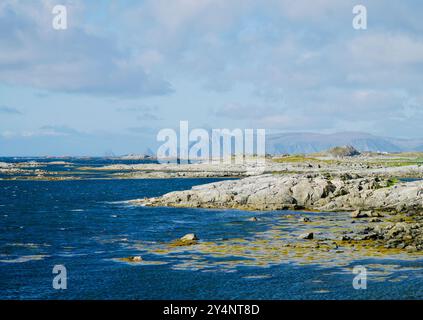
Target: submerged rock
x,y
187,240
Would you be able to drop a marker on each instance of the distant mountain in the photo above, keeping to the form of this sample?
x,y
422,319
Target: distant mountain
x,y
316,142
147,154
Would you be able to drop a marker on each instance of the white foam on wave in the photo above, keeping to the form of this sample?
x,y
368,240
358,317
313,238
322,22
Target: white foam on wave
x,y
23,259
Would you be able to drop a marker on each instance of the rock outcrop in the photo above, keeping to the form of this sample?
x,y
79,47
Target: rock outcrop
x,y
308,192
345,151
400,235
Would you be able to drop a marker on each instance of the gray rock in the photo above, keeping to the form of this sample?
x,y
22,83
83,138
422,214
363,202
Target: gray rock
x,y
189,237
298,191
307,236
363,214
131,259
411,248
355,214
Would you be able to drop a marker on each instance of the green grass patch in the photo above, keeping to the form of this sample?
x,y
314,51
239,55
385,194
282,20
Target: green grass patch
x,y
392,182
397,162
302,159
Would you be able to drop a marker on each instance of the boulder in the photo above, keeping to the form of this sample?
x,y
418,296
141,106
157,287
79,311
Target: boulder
x,y
132,259
306,236
189,237
364,214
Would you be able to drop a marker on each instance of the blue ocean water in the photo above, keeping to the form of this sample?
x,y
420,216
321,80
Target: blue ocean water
x,y
85,226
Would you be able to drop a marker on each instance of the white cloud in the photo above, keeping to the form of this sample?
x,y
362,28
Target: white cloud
x,y
300,65
386,49
33,54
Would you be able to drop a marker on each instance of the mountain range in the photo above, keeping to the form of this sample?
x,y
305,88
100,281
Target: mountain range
x,y
302,142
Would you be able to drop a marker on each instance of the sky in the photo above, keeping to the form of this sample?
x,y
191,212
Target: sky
x,y
123,70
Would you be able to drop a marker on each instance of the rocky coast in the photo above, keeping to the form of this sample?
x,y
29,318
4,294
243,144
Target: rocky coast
x,y
401,165
302,208
367,165
318,192
373,211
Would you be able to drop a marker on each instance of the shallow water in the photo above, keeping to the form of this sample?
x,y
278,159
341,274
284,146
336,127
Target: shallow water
x,y
410,179
86,226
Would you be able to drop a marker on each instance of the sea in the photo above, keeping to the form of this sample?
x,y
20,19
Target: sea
x,y
86,226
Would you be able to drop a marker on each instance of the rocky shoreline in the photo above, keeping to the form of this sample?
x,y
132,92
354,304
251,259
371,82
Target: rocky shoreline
x,y
392,211
300,192
406,165
370,166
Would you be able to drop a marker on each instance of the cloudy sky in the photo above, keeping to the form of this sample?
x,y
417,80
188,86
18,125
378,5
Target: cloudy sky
x,y
125,69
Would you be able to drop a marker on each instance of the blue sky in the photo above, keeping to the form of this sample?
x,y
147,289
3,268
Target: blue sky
x,y
123,70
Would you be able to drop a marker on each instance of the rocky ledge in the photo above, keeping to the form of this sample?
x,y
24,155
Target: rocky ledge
x,y
300,192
